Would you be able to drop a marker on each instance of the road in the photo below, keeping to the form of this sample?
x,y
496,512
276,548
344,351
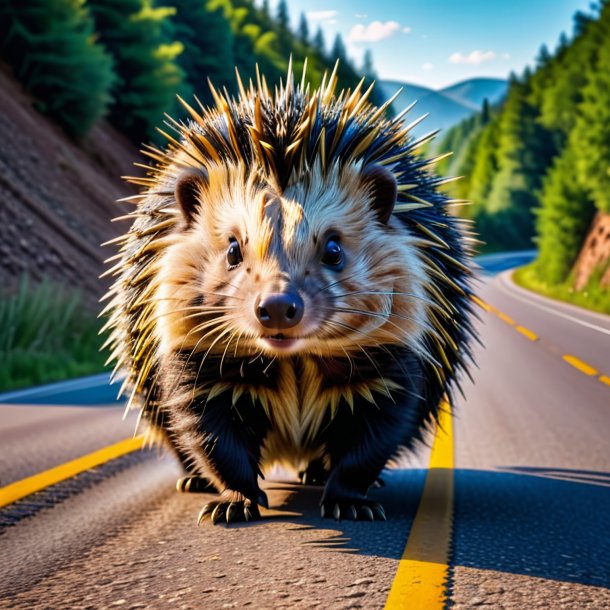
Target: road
x,y
530,495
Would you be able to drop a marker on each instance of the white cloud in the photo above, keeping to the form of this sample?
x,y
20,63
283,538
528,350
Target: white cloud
x,y
320,15
427,66
406,29
361,15
373,32
505,55
473,58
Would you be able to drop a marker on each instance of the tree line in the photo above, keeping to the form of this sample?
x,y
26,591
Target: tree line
x,y
82,60
537,167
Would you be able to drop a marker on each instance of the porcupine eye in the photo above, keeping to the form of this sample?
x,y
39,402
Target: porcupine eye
x,y
234,256
333,253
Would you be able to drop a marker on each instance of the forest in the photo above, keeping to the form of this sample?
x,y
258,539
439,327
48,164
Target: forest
x,y
536,169
127,59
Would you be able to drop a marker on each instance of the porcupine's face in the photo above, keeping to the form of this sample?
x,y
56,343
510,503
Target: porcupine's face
x,y
322,268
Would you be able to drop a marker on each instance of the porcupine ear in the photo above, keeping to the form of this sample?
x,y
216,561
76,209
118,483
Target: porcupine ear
x,y
187,190
383,189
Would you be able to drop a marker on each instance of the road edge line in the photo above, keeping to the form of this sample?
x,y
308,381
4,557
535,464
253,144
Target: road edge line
x,y
421,578
25,487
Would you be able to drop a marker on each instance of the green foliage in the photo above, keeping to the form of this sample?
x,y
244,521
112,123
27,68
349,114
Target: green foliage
x,y
204,30
46,335
140,37
591,134
154,52
592,296
53,51
563,219
546,150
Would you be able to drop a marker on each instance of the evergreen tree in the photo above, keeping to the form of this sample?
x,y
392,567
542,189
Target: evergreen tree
x,y
204,30
338,51
284,36
591,134
319,43
136,33
563,219
52,50
303,31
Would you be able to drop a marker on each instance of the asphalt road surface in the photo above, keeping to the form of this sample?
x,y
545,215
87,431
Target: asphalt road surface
x,y
531,504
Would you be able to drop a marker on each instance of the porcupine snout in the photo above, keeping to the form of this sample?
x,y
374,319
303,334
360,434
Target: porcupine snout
x,y
279,310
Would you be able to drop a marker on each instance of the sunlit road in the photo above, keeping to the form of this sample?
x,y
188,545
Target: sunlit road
x,y
531,507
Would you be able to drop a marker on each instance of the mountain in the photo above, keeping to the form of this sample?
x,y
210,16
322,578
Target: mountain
x,y
475,90
447,106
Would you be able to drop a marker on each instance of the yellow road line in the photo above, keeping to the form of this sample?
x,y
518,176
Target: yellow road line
x,y
604,379
421,578
20,489
583,367
505,318
482,304
527,333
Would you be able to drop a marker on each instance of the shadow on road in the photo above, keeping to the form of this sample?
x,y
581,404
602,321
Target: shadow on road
x,y
542,522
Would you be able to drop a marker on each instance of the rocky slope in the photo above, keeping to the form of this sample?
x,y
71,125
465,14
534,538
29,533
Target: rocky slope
x,y
57,197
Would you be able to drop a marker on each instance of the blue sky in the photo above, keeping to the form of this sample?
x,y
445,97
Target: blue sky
x,y
439,42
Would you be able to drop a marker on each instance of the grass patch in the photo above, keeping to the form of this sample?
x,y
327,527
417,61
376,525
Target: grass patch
x,y
46,335
593,296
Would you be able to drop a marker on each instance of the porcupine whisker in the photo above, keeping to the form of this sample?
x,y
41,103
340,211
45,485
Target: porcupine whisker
x,y
392,293
219,322
385,316
222,334
228,342
269,365
199,312
382,347
378,372
335,283
354,329
376,345
373,315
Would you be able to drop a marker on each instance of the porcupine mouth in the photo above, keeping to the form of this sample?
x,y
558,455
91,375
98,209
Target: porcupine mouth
x,y
281,342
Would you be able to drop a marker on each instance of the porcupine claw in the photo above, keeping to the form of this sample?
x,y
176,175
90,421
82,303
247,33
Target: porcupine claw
x,y
366,513
353,509
205,512
230,511
194,485
379,511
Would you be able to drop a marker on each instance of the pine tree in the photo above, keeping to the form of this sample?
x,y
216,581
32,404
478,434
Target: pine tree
x,y
137,35
319,44
562,221
338,51
52,50
591,134
205,32
303,31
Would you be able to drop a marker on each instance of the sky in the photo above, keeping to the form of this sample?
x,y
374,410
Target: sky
x,y
437,43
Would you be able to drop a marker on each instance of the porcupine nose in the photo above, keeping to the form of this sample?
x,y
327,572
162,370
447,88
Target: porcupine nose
x,y
280,310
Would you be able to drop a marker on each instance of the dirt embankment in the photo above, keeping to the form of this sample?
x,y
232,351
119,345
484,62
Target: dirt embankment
x,y
57,197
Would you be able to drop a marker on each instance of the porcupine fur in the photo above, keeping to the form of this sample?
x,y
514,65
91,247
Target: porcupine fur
x,y
324,203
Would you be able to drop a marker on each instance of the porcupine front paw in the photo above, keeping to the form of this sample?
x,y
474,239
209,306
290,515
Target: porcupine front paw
x,y
232,507
194,484
354,509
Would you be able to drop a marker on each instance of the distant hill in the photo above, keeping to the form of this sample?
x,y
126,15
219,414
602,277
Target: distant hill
x,y
475,90
447,106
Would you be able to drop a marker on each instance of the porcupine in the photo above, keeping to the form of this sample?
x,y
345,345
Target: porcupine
x,y
293,290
